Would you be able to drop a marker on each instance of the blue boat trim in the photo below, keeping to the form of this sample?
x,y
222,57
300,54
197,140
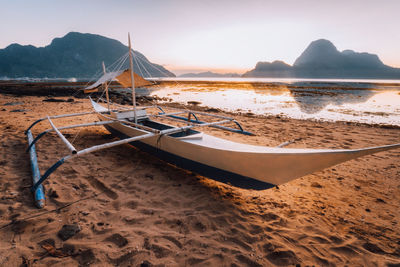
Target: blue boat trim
x,y
38,192
36,139
240,130
33,124
199,168
47,174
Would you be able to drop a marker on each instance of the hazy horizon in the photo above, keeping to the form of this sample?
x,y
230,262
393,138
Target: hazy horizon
x,y
220,36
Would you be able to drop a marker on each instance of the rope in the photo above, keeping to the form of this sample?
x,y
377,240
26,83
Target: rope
x,y
53,210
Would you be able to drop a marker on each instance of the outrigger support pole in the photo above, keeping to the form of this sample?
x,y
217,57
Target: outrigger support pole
x,y
38,193
173,115
59,116
38,183
240,130
96,123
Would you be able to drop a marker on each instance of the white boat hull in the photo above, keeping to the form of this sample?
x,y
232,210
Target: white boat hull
x,y
239,164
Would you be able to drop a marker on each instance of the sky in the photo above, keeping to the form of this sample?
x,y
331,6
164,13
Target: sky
x,y
221,36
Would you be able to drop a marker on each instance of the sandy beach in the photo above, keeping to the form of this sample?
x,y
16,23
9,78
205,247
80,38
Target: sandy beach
x,y
131,209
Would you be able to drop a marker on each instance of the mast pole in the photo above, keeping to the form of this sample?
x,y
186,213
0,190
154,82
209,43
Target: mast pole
x,y
107,96
132,78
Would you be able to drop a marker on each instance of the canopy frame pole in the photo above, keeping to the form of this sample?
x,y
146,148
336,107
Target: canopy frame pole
x,y
132,78
66,142
96,123
106,88
60,116
172,116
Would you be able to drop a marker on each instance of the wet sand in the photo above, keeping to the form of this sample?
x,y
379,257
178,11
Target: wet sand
x,y
132,208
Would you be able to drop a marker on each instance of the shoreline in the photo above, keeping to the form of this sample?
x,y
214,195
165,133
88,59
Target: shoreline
x,y
63,89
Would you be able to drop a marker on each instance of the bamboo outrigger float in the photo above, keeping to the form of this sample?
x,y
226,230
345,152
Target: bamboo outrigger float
x,y
242,165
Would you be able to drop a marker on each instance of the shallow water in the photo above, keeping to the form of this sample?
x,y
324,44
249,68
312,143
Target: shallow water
x,y
355,101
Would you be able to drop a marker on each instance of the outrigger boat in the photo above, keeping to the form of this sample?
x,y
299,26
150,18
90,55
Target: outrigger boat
x,y
242,165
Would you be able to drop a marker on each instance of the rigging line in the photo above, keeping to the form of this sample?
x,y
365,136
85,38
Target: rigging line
x,y
114,104
117,62
159,86
77,91
53,210
138,60
103,91
80,129
144,67
117,65
98,74
158,69
140,70
76,135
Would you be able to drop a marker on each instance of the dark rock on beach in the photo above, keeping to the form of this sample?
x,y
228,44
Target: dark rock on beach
x,y
68,231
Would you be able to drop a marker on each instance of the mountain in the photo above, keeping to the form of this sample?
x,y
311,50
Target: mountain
x,y
321,59
275,69
76,55
209,74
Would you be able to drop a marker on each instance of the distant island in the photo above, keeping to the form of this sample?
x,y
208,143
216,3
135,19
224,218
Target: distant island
x,y
321,59
76,55
209,74
79,55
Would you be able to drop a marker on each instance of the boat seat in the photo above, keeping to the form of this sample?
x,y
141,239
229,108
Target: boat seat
x,y
140,114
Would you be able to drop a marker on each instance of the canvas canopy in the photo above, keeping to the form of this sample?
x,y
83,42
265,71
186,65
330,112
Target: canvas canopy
x,y
123,77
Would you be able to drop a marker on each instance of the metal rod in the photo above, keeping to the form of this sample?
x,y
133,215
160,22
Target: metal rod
x,y
115,143
241,131
142,127
130,123
205,113
96,123
168,114
69,145
132,78
106,85
38,193
60,116
181,129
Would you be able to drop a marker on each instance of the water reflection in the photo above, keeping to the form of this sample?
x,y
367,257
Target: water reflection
x,y
324,101
313,101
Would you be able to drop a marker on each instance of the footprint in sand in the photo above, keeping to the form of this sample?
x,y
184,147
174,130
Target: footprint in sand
x,y
117,239
247,261
131,204
102,187
282,257
346,250
173,240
